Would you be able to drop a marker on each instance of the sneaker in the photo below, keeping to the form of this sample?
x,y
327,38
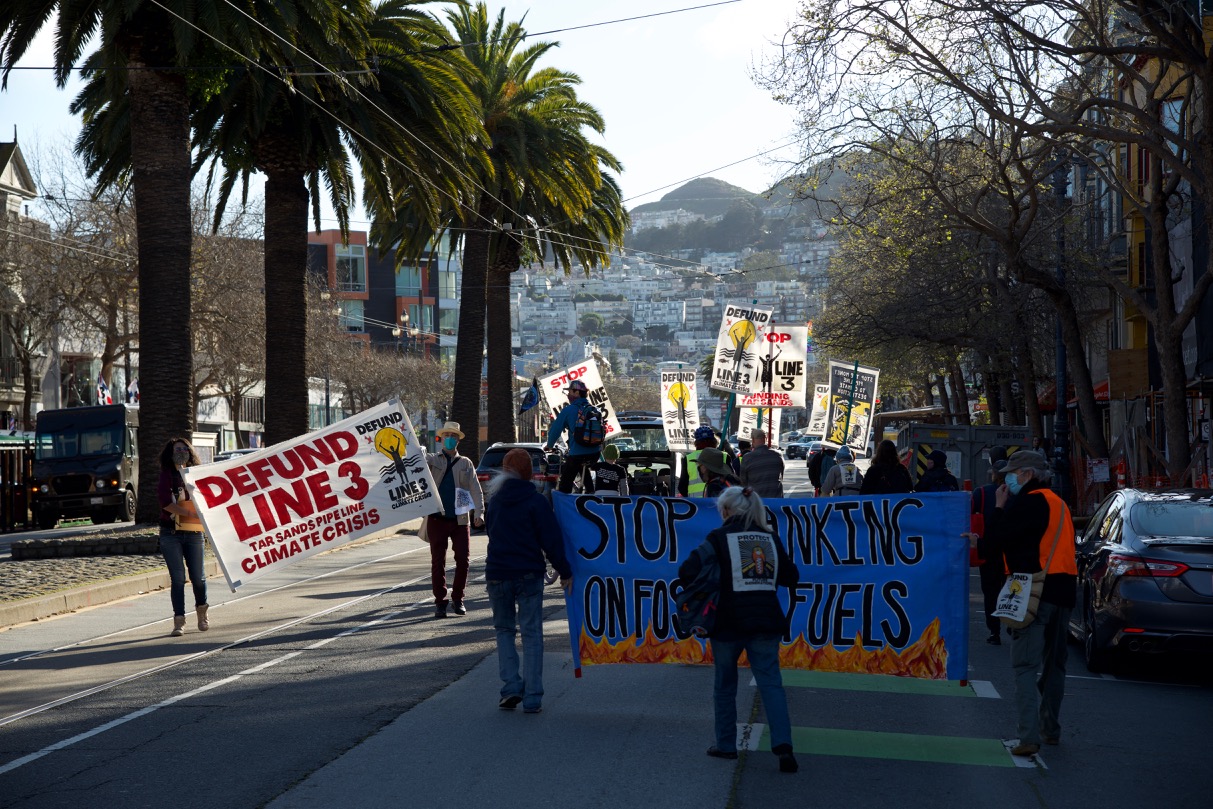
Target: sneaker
x,y
994,640
1054,740
509,703
787,763
440,611
716,752
1025,749
458,606
536,709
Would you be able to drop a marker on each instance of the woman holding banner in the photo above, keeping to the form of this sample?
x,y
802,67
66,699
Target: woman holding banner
x,y
749,618
181,534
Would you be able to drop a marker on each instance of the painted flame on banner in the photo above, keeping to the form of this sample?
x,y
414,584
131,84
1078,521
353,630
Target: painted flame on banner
x,y
926,658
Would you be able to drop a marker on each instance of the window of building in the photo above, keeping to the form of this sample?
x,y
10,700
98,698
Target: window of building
x,y
351,267
352,316
446,284
408,282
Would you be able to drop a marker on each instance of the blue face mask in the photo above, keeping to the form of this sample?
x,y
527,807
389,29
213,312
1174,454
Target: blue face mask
x,y
1013,484
449,442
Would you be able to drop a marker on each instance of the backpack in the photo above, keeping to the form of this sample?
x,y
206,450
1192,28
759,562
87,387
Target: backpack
x,y
587,430
695,604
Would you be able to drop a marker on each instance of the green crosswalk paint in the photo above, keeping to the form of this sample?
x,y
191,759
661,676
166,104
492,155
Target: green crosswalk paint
x,y
896,746
795,678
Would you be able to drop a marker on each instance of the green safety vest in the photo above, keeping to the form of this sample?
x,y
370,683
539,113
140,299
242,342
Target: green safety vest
x,y
695,484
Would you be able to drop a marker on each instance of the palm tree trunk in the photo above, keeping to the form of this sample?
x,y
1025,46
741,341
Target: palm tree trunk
x,y
286,388
500,344
469,351
160,161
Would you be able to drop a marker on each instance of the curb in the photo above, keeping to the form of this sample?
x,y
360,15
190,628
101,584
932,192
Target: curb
x,y
91,595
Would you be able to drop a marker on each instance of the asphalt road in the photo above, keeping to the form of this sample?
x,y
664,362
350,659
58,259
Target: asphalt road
x,y
331,684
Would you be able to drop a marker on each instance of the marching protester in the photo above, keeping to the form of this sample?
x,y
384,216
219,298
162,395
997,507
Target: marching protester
x,y
749,618
608,475
762,467
181,541
886,474
1031,526
991,570
715,472
579,455
462,501
937,478
818,467
522,531
844,476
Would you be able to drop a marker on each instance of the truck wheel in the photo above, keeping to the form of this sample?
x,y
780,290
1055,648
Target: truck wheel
x,y
47,518
126,511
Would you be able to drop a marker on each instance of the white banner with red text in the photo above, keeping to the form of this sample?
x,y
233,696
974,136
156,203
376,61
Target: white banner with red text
x,y
272,508
553,387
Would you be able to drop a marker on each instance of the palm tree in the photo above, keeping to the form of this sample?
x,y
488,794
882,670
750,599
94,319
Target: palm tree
x,y
143,47
540,170
399,114
576,214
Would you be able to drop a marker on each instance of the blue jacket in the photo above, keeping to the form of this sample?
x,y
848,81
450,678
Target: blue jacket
x,y
522,531
567,420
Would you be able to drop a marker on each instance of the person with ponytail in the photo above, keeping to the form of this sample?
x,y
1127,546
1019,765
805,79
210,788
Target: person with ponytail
x,y
753,564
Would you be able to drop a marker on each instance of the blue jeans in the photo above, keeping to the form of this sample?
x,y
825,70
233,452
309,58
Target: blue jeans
x,y
184,550
518,604
1040,648
763,651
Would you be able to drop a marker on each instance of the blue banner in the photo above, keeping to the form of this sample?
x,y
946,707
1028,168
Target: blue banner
x,y
884,580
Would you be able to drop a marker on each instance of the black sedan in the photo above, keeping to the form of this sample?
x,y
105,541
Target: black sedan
x,y
1145,575
797,450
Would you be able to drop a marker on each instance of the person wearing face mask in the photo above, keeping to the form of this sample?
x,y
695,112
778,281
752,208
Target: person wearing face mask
x,y
462,501
1032,528
181,534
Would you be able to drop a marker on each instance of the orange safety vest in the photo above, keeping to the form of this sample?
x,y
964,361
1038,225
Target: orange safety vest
x,y
1064,557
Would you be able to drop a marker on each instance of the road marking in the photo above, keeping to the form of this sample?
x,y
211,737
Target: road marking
x,y
207,653
883,683
897,746
1024,762
21,762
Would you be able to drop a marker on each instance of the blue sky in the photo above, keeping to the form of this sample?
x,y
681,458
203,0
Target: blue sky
x,y
676,90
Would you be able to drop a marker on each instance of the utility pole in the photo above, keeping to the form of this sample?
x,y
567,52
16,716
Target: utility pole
x,y
1061,423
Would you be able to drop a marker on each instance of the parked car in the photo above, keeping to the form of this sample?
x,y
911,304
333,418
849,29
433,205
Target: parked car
x,y
797,450
545,467
1145,575
227,455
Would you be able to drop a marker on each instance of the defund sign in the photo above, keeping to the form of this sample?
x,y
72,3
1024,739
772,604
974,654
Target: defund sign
x,y
272,508
781,378
553,387
679,408
737,347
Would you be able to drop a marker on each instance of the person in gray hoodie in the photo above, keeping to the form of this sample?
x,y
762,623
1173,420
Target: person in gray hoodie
x,y
522,531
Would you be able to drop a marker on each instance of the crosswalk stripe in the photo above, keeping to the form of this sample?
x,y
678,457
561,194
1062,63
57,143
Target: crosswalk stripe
x,y
896,746
885,683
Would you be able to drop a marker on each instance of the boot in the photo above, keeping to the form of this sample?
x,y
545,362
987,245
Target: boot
x,y
203,623
178,626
